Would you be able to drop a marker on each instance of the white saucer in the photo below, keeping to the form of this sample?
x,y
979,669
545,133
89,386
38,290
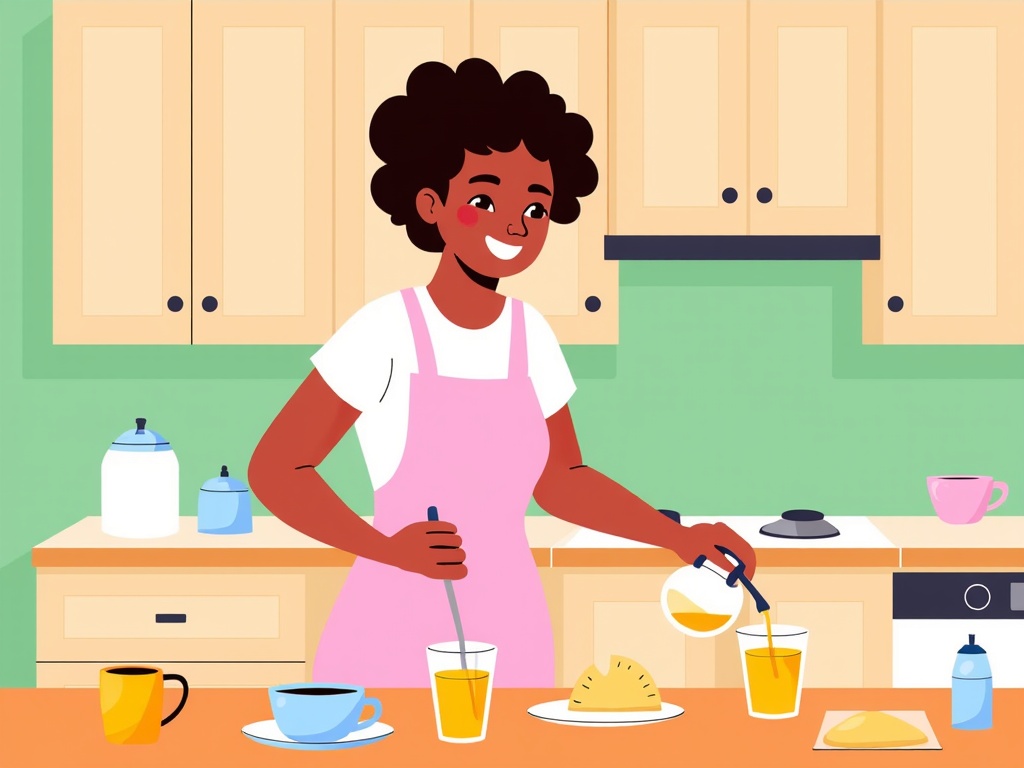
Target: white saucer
x,y
267,732
559,712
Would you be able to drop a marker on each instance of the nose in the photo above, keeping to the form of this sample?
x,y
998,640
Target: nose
x,y
517,229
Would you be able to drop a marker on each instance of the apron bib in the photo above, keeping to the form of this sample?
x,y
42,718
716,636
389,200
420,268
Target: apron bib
x,y
475,449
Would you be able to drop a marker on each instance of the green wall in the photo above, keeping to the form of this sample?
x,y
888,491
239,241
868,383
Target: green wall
x,y
737,388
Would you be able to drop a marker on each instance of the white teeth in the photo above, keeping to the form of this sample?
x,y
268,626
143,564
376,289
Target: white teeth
x,y
503,251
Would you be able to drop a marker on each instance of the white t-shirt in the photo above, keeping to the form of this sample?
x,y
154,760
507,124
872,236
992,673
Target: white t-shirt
x,y
368,360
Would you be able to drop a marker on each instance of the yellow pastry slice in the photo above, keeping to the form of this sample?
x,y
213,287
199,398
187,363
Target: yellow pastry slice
x,y
627,687
867,730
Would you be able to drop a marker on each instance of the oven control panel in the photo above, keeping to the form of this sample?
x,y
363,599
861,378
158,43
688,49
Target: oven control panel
x,y
984,595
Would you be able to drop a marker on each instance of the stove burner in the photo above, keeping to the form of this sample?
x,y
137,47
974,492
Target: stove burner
x,y
800,524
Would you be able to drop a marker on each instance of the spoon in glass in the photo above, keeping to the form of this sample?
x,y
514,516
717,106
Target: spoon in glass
x,y
450,589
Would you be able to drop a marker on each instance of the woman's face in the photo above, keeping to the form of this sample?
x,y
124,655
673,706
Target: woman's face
x,y
495,217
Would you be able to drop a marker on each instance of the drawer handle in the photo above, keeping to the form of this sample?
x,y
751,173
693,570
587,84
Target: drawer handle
x,y
170,618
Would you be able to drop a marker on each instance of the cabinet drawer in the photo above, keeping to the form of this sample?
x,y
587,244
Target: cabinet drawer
x,y
86,674
173,617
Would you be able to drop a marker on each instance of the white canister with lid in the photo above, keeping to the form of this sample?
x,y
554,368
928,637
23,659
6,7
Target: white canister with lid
x,y
139,486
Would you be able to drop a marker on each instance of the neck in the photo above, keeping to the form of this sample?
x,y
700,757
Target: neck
x,y
465,297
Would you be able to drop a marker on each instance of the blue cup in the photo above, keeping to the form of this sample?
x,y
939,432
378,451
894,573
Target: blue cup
x,y
321,712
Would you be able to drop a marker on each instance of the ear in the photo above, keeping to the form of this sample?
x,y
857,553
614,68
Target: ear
x,y
429,205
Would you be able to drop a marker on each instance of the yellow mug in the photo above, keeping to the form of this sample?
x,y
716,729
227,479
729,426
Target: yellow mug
x,y
132,700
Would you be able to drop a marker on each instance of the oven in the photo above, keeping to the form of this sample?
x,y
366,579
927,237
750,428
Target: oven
x,y
933,613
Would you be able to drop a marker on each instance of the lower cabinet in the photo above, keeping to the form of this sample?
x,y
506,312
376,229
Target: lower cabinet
x,y
608,611
848,615
242,628
216,627
86,674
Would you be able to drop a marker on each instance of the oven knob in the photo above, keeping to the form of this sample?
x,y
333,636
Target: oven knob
x,y
977,597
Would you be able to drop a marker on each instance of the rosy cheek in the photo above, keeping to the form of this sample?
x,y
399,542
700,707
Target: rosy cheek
x,y
468,215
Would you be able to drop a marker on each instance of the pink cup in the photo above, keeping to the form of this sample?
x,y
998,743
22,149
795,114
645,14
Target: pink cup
x,y
962,499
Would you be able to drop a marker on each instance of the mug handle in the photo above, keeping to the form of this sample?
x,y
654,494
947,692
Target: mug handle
x,y
371,702
184,696
1002,487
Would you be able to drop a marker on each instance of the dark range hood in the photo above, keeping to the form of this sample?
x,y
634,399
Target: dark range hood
x,y
742,247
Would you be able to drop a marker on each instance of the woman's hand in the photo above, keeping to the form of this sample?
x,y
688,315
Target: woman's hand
x,y
700,539
431,548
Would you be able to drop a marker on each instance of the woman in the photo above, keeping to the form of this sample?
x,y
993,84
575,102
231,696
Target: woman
x,y
458,395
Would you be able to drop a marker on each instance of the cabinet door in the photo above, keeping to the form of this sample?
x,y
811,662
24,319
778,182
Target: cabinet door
x,y
679,102
813,121
611,612
849,621
567,43
262,195
378,43
121,173
952,270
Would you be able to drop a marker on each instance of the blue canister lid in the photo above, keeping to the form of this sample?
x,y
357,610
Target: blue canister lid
x,y
224,483
141,440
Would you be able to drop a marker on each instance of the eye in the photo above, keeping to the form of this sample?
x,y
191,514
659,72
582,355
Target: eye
x,y
483,201
535,211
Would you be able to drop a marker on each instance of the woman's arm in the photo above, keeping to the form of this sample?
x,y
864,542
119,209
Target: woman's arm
x,y
574,492
283,474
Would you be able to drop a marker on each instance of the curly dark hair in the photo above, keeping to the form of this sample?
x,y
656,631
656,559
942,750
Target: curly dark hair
x,y
423,136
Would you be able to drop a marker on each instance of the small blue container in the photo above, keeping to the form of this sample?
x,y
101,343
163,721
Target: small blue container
x,y
972,688
224,505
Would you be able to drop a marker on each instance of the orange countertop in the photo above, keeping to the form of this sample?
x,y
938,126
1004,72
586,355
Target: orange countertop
x,y
928,542
272,544
917,542
45,728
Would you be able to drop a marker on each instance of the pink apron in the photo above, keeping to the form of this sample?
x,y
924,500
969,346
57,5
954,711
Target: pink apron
x,y
475,449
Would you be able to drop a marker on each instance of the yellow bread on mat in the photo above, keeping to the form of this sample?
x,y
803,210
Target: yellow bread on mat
x,y
867,730
627,687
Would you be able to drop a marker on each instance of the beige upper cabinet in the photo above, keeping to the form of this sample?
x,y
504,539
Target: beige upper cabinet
x,y
745,118
679,100
952,267
378,43
567,43
121,149
262,172
813,118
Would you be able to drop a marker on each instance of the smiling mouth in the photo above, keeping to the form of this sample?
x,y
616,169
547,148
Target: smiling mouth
x,y
501,250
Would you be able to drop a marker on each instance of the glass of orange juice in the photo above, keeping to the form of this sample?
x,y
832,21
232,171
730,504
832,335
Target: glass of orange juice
x,y
773,657
462,696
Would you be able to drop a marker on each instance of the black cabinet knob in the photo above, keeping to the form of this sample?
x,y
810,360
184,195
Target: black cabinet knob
x,y
209,303
895,303
729,195
175,303
592,303
764,195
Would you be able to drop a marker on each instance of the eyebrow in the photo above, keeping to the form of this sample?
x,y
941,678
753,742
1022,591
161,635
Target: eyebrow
x,y
485,177
538,188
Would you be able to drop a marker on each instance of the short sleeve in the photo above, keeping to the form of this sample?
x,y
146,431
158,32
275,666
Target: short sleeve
x,y
552,379
356,361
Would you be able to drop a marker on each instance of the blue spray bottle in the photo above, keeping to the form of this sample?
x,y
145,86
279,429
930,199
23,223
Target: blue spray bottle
x,y
972,688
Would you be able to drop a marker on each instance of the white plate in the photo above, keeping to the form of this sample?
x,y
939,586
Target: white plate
x,y
559,712
267,732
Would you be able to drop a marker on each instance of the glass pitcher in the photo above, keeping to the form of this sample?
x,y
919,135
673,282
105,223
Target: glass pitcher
x,y
702,600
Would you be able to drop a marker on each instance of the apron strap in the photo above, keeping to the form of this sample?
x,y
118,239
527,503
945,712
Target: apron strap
x,y
420,335
517,362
